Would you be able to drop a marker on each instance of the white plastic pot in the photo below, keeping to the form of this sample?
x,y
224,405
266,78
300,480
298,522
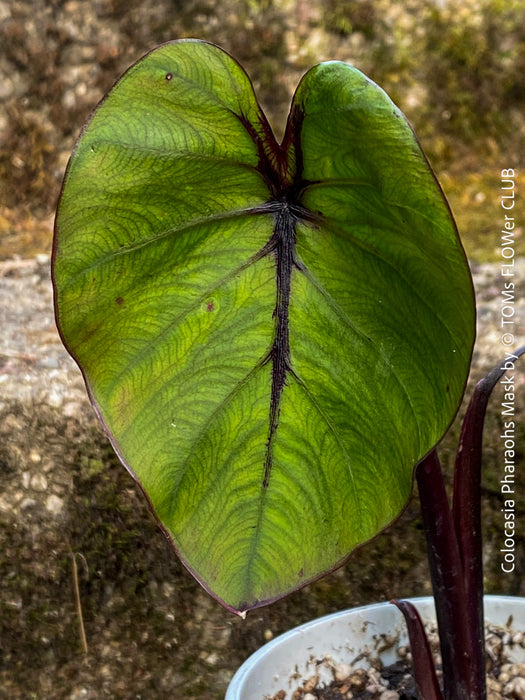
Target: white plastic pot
x,y
287,661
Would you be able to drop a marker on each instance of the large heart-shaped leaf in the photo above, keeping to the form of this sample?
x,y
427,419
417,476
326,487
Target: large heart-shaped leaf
x,y
273,335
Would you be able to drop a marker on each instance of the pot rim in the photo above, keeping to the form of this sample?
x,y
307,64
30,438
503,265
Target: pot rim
x,y
424,603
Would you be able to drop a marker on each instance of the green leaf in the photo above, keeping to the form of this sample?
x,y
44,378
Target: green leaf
x,y
273,335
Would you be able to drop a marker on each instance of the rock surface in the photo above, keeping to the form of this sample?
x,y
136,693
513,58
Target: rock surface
x,y
34,366
150,631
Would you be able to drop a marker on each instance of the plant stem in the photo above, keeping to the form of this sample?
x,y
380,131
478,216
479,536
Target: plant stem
x,y
466,508
460,655
424,669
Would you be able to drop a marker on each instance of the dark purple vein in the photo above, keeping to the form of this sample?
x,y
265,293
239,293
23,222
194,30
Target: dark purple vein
x,y
284,241
281,167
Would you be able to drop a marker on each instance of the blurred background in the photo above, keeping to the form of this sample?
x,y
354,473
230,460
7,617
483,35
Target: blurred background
x,y
75,532
455,67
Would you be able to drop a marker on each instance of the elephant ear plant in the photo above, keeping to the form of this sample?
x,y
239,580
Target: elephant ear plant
x,y
273,334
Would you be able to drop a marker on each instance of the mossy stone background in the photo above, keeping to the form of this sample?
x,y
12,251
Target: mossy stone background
x,y
457,70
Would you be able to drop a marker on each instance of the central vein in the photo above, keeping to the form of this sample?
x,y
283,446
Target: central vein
x,y
283,249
